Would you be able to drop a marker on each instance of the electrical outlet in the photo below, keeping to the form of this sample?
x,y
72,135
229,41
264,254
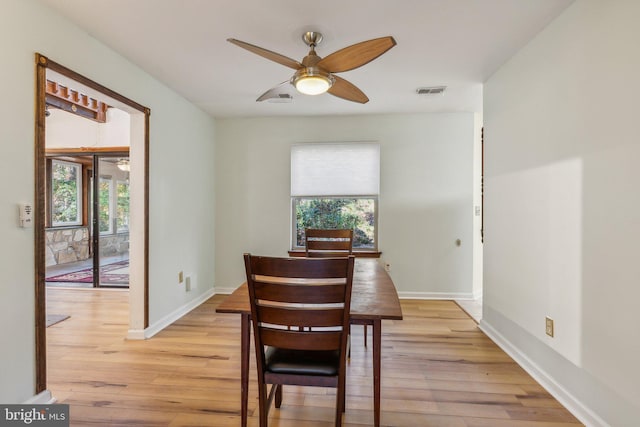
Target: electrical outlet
x,y
187,284
180,277
387,267
549,326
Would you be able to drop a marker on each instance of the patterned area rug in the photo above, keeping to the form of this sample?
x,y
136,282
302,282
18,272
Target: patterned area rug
x,y
110,274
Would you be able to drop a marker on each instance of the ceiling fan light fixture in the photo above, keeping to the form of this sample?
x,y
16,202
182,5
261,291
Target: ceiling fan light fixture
x,y
312,81
123,165
315,75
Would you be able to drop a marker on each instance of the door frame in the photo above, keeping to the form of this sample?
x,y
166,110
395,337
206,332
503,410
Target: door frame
x,y
42,64
91,207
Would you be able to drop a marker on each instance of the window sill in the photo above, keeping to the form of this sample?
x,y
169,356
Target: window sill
x,y
358,254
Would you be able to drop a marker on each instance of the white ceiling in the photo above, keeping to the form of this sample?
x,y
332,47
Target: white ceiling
x,y
455,43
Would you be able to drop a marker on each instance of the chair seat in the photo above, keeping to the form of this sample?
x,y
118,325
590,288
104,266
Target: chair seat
x,y
301,362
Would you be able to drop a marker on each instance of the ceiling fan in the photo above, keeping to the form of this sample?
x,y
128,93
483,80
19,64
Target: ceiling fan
x,y
316,75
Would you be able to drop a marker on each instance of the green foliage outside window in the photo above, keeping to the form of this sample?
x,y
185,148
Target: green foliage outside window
x,y
104,195
122,208
65,183
354,213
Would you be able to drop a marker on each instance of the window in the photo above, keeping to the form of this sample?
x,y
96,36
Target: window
x,y
336,185
105,207
66,193
122,206
114,205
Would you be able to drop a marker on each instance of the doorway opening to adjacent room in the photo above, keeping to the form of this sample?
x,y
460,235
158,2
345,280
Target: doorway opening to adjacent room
x,y
110,137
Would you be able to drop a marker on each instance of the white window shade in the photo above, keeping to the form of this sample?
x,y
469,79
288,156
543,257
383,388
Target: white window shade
x,y
345,169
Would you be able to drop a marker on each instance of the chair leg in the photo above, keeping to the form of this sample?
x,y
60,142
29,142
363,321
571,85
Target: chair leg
x,y
344,393
262,404
278,395
340,402
365,335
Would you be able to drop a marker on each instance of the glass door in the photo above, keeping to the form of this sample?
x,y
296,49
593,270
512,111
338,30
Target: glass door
x,y
111,221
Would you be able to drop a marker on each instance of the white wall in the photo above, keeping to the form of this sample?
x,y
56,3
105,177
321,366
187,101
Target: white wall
x,y
426,196
181,178
478,249
562,203
65,129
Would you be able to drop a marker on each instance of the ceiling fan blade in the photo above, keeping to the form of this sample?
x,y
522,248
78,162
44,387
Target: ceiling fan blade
x,y
346,90
281,92
356,55
275,57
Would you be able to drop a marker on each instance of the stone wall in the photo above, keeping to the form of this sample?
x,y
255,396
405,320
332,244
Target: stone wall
x,y
114,244
67,245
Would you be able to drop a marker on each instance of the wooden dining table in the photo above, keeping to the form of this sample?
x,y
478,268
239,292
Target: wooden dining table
x,y
373,299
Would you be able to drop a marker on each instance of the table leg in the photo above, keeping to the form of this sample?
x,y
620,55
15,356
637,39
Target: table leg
x,y
245,348
377,356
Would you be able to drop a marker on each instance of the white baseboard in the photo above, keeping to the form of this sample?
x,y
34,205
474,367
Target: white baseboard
x,y
135,334
225,291
435,295
42,398
138,334
569,401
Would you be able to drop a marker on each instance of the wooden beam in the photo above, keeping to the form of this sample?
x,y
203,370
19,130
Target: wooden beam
x,y
74,102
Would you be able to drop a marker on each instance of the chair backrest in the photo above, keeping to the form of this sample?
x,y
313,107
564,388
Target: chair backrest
x,y
299,303
328,242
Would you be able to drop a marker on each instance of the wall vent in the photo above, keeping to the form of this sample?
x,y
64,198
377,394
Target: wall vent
x,y
434,90
281,98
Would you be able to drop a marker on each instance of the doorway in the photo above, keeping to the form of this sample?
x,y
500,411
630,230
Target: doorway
x,y
82,96
88,215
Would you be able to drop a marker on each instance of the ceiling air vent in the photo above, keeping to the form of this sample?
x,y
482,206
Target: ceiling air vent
x,y
280,98
434,90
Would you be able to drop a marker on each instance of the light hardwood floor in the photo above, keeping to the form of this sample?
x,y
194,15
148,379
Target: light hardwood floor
x,y
438,369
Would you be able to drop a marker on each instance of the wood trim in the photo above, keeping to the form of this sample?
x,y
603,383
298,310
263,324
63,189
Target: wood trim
x,y
84,160
46,62
87,150
39,227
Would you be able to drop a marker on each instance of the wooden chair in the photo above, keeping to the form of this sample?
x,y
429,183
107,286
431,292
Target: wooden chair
x,y
314,296
325,242
322,243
